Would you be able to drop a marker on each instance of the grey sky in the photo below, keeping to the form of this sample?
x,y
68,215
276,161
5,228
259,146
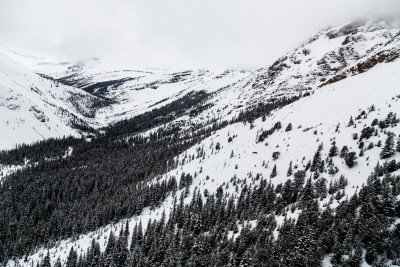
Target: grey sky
x,y
173,33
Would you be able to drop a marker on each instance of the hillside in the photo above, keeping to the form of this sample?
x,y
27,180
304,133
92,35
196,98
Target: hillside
x,y
297,164
35,108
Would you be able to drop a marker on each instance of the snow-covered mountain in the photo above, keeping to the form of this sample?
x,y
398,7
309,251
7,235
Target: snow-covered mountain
x,y
35,107
342,93
331,55
89,95
134,92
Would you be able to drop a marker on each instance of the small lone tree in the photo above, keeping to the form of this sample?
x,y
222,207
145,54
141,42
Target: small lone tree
x,y
350,159
218,146
290,170
273,173
275,155
351,121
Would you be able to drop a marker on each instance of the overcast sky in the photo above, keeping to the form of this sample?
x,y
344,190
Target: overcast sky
x,y
173,33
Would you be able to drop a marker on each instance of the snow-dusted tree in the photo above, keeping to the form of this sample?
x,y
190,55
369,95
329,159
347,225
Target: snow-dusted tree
x,y
333,151
218,146
320,188
275,155
344,151
350,159
72,259
316,161
290,170
351,121
273,173
388,149
58,263
46,261
308,191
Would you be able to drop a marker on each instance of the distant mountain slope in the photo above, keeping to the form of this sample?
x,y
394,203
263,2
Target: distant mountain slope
x,y
332,55
35,108
134,92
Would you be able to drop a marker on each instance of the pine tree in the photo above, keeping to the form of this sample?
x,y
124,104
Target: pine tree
x,y
58,263
344,151
72,260
350,159
273,173
355,259
275,155
218,146
46,261
308,165
333,151
288,128
322,166
308,192
299,178
316,161
398,144
388,149
351,121
110,244
320,188
290,170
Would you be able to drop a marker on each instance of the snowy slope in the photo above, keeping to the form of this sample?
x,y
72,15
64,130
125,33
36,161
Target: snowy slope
x,y
315,120
34,108
331,55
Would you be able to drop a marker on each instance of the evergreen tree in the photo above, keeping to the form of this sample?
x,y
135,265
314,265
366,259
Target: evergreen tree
x,y
388,149
290,170
299,178
351,122
110,244
72,260
320,188
316,161
333,151
46,261
308,192
288,128
58,263
344,151
274,172
350,159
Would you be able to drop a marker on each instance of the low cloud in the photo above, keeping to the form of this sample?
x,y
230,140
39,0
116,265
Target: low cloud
x,y
174,33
